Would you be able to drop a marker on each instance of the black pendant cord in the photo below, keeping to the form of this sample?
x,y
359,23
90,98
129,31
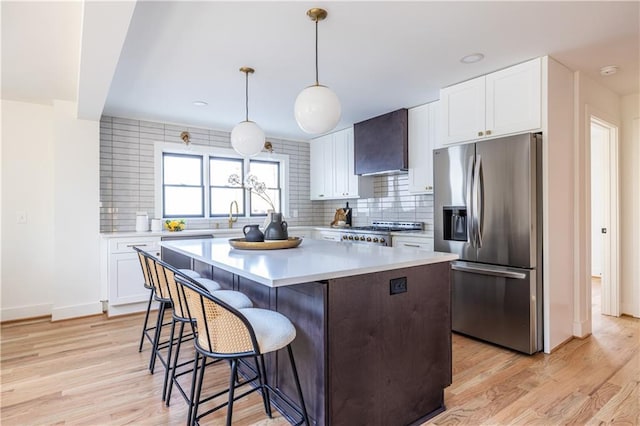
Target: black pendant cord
x,y
246,96
317,84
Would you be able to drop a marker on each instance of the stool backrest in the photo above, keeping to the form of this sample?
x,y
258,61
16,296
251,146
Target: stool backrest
x,y
222,329
142,257
167,275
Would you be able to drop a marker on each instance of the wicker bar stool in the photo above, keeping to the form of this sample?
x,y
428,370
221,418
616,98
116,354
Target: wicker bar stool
x,y
148,284
167,276
224,332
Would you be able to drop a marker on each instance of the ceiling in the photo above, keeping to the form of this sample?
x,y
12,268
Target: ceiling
x,y
377,56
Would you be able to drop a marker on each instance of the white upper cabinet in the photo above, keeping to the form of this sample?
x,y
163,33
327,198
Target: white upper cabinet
x,y
321,178
514,99
463,113
332,168
500,103
423,134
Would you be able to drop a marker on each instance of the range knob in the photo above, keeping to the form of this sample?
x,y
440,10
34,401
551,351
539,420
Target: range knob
x,y
368,239
375,239
382,240
344,237
361,237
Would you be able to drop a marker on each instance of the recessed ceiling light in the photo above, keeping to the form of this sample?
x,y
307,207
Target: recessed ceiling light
x,y
608,70
200,103
470,59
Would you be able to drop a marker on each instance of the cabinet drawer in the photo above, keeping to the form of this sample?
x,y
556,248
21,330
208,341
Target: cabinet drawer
x,y
413,242
126,245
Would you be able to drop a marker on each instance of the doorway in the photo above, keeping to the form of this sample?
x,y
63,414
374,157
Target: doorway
x,y
604,214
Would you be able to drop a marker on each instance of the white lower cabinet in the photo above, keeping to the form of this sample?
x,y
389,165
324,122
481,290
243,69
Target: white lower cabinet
x,y
125,283
301,233
412,241
327,235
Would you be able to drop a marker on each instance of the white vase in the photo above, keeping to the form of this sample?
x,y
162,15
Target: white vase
x,y
267,220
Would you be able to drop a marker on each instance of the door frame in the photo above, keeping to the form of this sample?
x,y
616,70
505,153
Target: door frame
x,y
610,293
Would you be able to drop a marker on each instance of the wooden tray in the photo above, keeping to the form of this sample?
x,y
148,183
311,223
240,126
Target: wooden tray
x,y
243,244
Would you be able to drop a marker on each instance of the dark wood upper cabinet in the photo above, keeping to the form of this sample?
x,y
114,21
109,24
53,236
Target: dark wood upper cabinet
x,y
381,144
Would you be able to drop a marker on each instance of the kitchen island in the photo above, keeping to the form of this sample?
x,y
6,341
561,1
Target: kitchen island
x,y
373,344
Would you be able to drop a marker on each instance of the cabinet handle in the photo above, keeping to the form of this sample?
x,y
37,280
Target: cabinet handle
x,y
480,133
136,245
321,195
412,245
429,187
488,132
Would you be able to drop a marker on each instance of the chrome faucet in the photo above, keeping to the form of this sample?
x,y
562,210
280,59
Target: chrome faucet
x,y
231,218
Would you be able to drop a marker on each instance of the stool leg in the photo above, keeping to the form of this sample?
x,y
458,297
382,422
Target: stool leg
x,y
146,320
196,400
262,375
175,363
305,416
168,360
156,338
232,388
192,401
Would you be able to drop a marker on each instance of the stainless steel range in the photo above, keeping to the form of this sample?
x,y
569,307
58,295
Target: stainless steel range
x,y
379,233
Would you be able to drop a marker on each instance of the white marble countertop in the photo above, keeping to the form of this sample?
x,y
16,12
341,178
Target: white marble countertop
x,y
313,260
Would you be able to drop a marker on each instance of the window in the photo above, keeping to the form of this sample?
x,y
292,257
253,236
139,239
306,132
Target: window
x,y
221,193
267,172
194,183
182,188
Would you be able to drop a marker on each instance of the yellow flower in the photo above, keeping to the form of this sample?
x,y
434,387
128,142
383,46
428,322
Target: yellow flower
x,y
174,225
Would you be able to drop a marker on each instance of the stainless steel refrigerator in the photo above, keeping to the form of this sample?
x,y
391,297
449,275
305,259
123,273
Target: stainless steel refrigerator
x,y
487,209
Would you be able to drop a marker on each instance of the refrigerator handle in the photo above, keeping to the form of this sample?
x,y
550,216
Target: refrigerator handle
x,y
478,198
470,216
491,272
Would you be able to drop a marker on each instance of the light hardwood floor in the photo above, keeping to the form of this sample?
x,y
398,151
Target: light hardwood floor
x,y
88,372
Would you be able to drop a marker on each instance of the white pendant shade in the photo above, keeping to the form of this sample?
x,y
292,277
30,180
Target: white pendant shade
x,y
317,109
247,138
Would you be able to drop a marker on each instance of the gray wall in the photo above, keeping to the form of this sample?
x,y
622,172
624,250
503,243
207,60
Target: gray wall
x,y
127,186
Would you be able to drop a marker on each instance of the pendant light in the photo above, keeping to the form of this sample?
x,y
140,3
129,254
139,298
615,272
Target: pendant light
x,y
247,138
317,109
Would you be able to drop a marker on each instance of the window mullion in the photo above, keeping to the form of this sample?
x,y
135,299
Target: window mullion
x,y
247,194
206,181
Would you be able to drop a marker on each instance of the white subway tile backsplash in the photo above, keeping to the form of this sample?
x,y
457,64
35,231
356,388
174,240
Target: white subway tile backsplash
x,y
127,180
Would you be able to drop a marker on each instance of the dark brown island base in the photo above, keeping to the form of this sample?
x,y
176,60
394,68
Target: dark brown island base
x,y
372,348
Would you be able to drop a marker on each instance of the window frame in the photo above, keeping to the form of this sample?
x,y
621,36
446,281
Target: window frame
x,y
206,152
279,188
201,186
242,212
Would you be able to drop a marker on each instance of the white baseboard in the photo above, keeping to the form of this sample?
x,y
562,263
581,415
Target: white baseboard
x,y
76,311
129,308
22,312
581,328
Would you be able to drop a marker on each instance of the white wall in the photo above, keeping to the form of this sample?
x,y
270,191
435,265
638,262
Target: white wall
x,y
558,191
27,186
50,166
591,99
630,205
76,157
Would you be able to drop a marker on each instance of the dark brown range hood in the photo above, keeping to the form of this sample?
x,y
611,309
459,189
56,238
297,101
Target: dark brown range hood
x,y
381,144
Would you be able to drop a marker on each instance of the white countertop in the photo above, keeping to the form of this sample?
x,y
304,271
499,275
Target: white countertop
x,y
218,232
313,260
